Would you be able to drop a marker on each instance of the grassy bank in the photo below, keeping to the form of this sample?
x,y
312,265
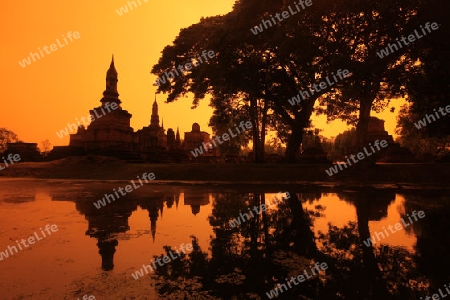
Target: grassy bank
x,y
104,168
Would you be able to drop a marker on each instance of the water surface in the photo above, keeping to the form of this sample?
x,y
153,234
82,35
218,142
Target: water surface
x,y
95,251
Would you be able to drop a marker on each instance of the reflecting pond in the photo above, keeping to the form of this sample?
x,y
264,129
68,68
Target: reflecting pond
x,y
248,242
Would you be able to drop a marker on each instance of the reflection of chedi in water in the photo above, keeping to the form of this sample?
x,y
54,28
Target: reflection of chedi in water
x,y
374,205
105,228
195,200
107,223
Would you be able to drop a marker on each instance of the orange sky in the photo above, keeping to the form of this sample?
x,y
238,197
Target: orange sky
x,y
41,98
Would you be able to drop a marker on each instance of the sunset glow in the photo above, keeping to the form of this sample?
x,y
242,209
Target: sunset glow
x,y
39,99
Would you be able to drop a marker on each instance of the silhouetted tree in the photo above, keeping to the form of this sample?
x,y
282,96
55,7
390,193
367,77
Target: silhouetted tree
x,y
418,140
7,136
46,147
265,70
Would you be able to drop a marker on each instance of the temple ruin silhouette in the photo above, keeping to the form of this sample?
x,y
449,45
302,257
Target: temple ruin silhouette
x,y
110,133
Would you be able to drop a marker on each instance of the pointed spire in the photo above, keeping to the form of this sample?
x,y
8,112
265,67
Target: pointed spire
x,y
177,139
112,69
110,94
153,234
153,214
154,119
177,200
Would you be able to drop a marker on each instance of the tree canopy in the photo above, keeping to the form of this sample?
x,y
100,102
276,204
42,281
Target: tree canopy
x,y
258,74
7,136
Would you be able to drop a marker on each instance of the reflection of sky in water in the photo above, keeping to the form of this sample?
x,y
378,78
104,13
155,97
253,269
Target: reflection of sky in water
x,y
69,254
338,213
68,262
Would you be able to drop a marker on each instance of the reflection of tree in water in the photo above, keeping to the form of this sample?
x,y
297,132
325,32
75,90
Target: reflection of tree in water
x,y
247,261
182,277
395,277
385,271
432,234
251,259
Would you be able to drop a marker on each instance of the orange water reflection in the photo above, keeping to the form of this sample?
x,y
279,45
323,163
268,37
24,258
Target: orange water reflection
x,y
95,251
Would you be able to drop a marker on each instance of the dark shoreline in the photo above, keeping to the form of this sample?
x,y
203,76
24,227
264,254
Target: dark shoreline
x,y
391,176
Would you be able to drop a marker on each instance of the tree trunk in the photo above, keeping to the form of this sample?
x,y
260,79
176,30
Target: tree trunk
x,y
255,129
372,284
294,142
363,123
304,243
301,121
263,131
